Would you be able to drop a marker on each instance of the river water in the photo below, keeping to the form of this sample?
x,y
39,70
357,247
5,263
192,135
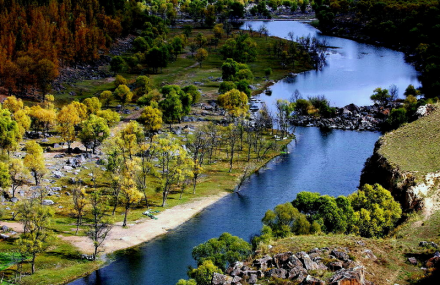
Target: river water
x,y
329,162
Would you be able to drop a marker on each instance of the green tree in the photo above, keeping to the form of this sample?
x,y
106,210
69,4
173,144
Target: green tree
x,y
376,211
119,80
193,92
18,173
117,64
226,86
283,221
100,224
34,161
380,96
35,219
222,251
171,107
229,69
93,132
268,72
203,274
411,90
105,97
93,105
9,131
5,177
79,203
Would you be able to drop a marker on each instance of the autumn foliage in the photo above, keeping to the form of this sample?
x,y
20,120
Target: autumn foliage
x,y
35,40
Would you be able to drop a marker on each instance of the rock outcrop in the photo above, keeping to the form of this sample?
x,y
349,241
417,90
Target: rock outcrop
x,y
301,267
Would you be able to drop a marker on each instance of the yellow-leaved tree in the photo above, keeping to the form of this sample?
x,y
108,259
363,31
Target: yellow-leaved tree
x,y
151,119
68,118
34,161
130,194
235,102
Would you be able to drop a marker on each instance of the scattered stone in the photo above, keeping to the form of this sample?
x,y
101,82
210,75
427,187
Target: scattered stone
x,y
263,263
218,279
307,262
310,280
4,228
340,255
336,265
412,260
3,236
57,174
355,276
369,254
48,202
14,200
277,272
60,155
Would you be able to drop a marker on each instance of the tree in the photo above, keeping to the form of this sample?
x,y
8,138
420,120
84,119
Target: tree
x,y
203,274
35,219
5,177
93,132
193,92
117,64
18,173
171,107
411,90
100,225
234,101
93,105
151,119
111,117
376,211
229,69
174,163
201,55
222,251
123,94
283,220
128,139
42,118
79,203
129,191
34,161
218,31
105,97
46,72
9,131
68,119
142,85
268,72
380,96
13,104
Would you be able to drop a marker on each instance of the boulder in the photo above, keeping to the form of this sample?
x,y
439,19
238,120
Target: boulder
x,y
263,263
433,261
335,265
340,255
57,174
307,262
294,262
56,189
253,279
277,272
310,280
60,155
355,276
296,272
236,280
4,228
412,260
218,279
14,200
369,254
281,259
48,202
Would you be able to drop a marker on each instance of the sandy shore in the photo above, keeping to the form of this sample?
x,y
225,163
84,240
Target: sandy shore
x,y
145,229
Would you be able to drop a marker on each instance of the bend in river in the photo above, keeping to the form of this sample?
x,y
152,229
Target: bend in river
x,y
326,162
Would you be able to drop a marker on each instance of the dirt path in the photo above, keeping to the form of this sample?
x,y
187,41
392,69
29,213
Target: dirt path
x,y
145,229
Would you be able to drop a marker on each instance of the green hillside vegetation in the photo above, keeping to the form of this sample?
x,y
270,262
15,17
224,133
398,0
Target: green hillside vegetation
x,y
415,147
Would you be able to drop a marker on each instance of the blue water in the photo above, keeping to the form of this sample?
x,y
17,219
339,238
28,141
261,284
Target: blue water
x,y
352,72
328,162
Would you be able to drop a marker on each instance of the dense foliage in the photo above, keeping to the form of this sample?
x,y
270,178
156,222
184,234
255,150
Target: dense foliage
x,y
370,212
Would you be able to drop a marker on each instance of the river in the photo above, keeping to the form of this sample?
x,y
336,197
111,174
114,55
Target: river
x,y
329,162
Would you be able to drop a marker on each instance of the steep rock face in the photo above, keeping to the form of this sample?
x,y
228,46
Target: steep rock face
x,y
401,184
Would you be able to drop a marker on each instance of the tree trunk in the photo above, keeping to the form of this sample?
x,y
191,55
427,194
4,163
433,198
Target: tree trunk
x,y
33,263
127,206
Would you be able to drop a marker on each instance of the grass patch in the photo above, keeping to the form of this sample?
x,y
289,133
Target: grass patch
x,y
415,147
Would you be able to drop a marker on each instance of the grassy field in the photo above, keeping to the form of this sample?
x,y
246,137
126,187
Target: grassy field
x,y
415,147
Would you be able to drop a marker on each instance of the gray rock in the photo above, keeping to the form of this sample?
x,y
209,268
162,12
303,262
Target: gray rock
x,y
281,259
296,272
236,280
369,254
294,262
307,262
310,280
14,200
4,228
412,260
263,263
56,189
67,167
277,272
355,276
218,279
60,155
3,236
253,279
48,202
335,265
340,255
57,174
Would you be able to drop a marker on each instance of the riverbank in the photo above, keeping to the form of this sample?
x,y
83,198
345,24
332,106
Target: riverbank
x,y
146,229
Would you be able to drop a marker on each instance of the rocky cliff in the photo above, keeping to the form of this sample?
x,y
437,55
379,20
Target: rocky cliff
x,y
403,161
